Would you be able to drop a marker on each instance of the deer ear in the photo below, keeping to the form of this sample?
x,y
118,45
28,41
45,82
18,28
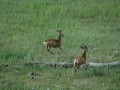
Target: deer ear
x,y
62,34
82,47
60,31
82,44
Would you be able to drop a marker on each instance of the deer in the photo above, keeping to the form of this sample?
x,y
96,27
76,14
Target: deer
x,y
55,43
79,61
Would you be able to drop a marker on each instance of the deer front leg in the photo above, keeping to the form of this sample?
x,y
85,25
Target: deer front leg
x,y
62,49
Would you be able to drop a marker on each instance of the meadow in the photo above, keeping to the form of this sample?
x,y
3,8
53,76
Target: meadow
x,y
25,24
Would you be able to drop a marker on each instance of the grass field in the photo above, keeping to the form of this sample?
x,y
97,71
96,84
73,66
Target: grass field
x,y
25,24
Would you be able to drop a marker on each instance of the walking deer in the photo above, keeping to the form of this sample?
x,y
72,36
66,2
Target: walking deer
x,y
55,43
81,59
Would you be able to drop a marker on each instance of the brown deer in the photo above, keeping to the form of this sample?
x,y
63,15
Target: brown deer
x,y
80,60
55,43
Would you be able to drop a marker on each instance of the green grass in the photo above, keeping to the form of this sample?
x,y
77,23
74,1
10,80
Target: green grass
x,y
24,26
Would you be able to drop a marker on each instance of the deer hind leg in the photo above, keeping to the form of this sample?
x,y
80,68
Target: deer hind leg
x,y
48,49
75,68
76,65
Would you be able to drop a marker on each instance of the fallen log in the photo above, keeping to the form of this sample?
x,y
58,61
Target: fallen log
x,y
17,66
103,64
65,64
60,64
69,65
37,64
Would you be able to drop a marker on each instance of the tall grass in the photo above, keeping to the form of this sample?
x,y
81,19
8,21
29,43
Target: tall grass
x,y
24,26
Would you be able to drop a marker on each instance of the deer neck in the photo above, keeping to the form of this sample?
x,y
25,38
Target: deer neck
x,y
59,37
84,54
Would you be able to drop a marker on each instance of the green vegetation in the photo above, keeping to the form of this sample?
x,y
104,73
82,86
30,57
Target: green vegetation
x,y
25,24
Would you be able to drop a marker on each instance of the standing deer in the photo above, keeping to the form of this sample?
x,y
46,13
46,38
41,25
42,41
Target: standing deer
x,y
80,60
55,43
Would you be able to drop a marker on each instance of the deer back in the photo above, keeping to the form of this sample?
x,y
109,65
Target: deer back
x,y
53,42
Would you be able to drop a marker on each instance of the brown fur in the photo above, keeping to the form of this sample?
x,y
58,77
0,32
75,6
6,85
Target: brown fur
x,y
55,43
80,60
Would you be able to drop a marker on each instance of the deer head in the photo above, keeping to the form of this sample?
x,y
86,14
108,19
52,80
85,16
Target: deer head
x,y
59,32
85,47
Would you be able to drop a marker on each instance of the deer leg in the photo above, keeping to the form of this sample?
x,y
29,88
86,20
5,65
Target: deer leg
x,y
75,68
48,49
62,49
84,65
